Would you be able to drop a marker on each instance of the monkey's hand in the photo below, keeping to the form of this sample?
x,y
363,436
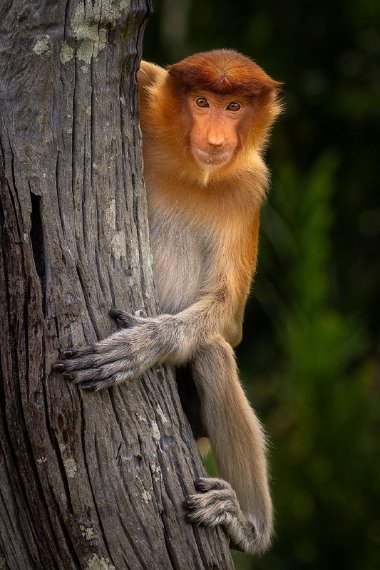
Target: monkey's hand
x,y
123,356
216,504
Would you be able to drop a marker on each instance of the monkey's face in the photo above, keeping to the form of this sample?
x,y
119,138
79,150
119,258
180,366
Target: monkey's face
x,y
215,127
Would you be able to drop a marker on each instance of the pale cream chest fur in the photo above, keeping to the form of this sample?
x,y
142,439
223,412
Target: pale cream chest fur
x,y
178,259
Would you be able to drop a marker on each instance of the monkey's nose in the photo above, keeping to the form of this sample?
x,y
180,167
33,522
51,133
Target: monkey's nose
x,y
215,139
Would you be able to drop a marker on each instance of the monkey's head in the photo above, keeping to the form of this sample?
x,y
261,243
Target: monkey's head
x,y
226,103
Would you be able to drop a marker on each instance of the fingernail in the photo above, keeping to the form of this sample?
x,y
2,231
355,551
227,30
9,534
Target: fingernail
x,y
68,376
69,353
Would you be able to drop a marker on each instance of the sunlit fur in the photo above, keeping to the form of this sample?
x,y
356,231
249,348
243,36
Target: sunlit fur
x,y
204,226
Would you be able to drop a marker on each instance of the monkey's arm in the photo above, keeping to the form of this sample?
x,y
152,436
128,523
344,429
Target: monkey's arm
x,y
145,342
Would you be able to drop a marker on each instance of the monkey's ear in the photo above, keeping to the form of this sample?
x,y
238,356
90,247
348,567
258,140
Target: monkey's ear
x,y
150,73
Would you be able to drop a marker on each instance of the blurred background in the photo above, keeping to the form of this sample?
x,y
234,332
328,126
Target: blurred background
x,y
310,355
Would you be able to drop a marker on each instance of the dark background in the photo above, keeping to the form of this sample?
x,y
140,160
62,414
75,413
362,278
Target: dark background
x,y
310,355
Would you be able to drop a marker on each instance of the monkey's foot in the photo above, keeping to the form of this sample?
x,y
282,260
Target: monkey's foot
x,y
214,505
217,504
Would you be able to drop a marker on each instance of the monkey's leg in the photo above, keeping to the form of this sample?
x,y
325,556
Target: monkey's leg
x,y
241,502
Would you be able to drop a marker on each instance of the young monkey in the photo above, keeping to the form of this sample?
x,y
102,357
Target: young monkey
x,y
205,122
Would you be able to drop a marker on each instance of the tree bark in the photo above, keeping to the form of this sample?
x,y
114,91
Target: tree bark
x,y
93,481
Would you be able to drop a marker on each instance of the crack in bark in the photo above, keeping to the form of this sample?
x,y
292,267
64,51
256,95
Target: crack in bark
x,y
59,201
38,246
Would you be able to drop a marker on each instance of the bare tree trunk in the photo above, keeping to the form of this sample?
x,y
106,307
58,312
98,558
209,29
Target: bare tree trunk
x,y
93,481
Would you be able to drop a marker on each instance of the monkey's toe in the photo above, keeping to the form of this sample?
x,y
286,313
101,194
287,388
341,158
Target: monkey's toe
x,y
204,484
212,507
205,513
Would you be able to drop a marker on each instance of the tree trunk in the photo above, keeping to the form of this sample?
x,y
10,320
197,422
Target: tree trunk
x,y
93,481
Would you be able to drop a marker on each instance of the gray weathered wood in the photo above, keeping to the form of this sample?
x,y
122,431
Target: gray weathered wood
x,y
91,481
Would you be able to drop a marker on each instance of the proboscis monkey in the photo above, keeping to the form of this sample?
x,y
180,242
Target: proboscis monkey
x,y
205,122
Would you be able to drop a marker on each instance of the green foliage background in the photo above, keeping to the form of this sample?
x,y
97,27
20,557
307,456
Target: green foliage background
x,y
310,355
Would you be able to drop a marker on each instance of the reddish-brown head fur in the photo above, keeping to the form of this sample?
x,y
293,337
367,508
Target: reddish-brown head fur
x,y
224,72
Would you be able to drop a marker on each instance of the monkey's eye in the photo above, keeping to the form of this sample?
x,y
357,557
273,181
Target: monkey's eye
x,y
201,102
233,106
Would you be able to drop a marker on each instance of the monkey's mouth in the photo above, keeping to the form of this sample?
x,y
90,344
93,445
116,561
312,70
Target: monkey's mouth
x,y
212,158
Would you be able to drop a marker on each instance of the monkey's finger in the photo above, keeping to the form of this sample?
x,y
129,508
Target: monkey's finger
x,y
127,368
82,351
82,375
124,319
101,355
66,365
60,365
93,350
89,361
96,385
